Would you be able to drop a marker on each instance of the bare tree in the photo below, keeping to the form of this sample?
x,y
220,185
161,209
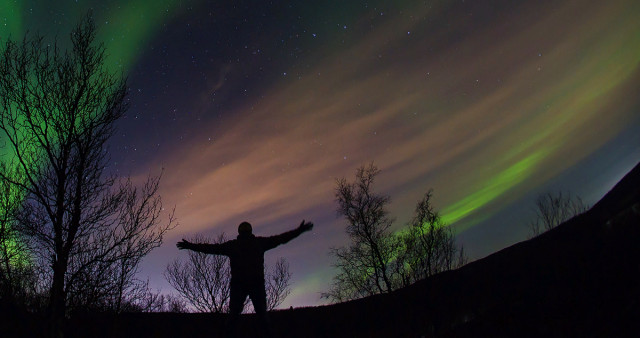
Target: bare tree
x,y
277,283
105,268
553,209
203,280
429,244
57,112
365,266
378,261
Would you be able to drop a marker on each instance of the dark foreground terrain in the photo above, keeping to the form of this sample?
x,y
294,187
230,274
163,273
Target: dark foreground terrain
x,y
581,279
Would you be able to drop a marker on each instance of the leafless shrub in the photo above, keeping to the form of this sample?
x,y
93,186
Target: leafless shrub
x,y
552,210
277,284
202,280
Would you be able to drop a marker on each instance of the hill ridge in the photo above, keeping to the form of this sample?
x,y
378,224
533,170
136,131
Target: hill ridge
x,y
581,278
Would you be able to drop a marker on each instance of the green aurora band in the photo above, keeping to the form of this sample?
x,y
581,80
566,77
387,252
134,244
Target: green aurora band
x,y
494,188
596,78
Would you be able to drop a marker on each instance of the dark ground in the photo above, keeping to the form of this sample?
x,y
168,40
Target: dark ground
x,y
581,279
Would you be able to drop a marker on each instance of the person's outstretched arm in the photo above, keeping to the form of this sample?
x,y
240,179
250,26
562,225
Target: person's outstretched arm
x,y
215,249
274,241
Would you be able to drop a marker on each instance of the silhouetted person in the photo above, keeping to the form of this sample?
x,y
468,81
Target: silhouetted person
x,y
246,256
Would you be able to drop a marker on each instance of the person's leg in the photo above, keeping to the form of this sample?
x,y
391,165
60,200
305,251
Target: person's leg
x,y
259,299
236,304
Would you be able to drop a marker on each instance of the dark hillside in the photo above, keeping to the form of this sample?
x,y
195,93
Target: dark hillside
x,y
581,279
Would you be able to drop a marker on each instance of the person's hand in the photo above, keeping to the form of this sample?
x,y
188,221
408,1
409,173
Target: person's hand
x,y
184,244
305,226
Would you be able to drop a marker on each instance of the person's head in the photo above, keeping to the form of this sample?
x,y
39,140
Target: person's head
x,y
244,229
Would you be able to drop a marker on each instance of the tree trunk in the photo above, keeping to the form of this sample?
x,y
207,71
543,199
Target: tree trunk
x,y
57,302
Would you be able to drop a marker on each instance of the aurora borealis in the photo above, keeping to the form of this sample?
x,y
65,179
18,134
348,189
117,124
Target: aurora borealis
x,y
254,108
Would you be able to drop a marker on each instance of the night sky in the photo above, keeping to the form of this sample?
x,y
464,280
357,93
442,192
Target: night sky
x,y
254,108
